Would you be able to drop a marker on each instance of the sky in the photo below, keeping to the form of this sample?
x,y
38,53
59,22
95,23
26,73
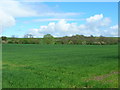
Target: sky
x,y
58,18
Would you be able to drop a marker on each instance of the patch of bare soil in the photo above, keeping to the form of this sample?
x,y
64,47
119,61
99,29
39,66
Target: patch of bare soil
x,y
102,77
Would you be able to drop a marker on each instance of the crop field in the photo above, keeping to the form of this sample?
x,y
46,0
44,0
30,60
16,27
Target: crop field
x,y
60,66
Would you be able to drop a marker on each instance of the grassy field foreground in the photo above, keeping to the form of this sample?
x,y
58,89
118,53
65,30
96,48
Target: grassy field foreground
x,y
60,66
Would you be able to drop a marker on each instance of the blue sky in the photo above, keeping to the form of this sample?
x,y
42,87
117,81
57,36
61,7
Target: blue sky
x,y
59,18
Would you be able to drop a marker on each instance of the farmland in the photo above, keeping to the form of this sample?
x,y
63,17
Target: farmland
x,y
60,66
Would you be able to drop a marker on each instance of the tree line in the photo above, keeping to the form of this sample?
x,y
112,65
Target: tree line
x,y
49,39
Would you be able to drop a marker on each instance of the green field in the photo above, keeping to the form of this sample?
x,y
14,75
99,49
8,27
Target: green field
x,y
60,66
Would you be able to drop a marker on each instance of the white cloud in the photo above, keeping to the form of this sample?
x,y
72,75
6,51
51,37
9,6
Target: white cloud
x,y
98,20
94,18
56,14
60,28
6,21
11,9
105,22
63,28
113,31
16,9
115,27
54,19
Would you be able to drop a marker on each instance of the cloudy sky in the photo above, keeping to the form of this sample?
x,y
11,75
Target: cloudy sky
x,y
58,18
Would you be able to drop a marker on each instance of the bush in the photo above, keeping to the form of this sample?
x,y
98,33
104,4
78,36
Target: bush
x,y
48,39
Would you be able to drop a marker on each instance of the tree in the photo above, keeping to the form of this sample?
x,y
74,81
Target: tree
x,y
48,39
78,39
4,38
28,36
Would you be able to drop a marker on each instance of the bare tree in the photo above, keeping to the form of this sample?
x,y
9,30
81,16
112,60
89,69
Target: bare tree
x,y
28,36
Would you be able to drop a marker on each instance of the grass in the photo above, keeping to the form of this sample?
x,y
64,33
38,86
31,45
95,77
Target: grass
x,y
60,66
